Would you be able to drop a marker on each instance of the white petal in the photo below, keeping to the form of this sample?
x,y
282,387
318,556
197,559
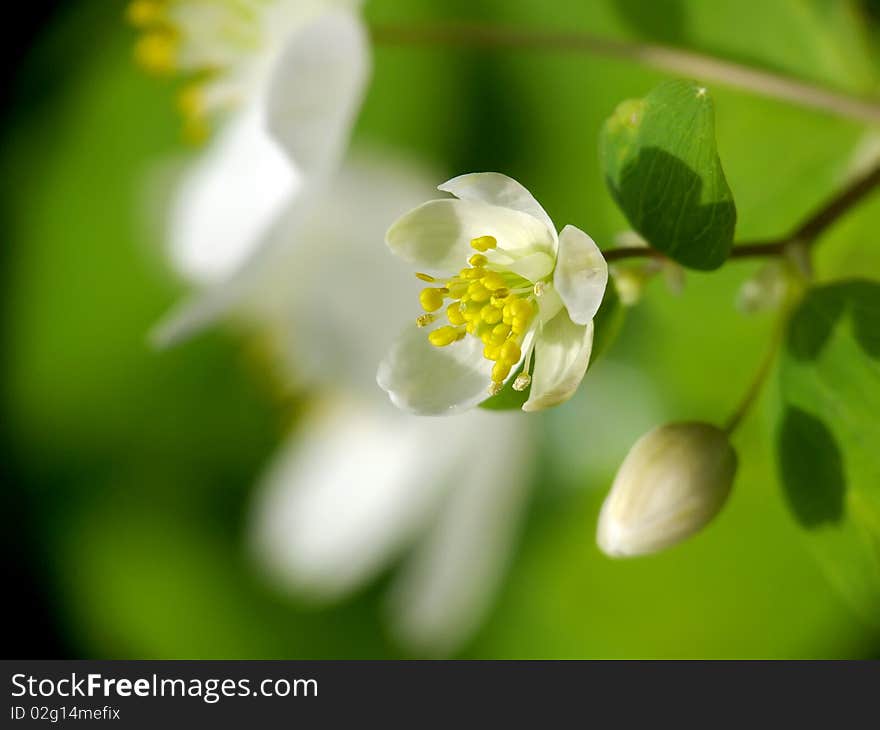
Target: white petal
x,y
316,90
444,591
581,274
434,380
348,491
498,189
534,266
437,235
228,200
562,353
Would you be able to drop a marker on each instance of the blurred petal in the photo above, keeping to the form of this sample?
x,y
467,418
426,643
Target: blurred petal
x,y
581,274
348,491
562,353
229,199
497,189
444,591
432,380
437,235
316,90
219,299
371,291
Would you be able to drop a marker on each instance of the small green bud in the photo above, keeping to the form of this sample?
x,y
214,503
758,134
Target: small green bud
x,y
674,480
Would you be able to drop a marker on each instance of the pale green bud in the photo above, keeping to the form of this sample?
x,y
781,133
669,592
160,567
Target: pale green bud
x,y
674,480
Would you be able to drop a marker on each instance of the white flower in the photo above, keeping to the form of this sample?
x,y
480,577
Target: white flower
x,y
523,290
674,480
283,80
276,232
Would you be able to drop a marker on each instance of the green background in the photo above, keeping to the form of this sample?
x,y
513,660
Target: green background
x,y
130,470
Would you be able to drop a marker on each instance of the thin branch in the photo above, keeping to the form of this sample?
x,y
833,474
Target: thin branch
x,y
742,251
674,60
836,207
807,232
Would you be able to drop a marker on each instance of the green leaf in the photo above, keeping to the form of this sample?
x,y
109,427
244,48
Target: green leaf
x,y
661,164
827,445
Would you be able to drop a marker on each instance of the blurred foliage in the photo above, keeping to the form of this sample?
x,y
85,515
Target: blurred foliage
x,y
828,460
134,467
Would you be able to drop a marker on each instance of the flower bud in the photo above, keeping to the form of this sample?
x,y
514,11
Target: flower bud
x,y
674,480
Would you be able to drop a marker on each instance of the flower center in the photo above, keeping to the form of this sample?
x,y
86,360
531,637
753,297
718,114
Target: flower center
x,y
498,307
203,41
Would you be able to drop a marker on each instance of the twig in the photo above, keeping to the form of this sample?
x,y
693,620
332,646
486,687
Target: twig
x,y
806,233
674,60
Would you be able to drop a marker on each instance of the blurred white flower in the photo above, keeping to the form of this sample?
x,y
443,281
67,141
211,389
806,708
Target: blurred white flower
x,y
526,290
277,233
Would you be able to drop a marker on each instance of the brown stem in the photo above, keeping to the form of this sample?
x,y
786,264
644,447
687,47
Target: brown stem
x,y
807,232
674,60
742,251
836,207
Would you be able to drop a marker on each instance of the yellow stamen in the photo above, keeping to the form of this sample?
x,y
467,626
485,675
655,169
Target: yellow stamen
x,y
493,281
425,319
425,277
431,299
490,314
510,351
443,336
500,370
156,52
478,293
478,260
484,243
454,314
143,13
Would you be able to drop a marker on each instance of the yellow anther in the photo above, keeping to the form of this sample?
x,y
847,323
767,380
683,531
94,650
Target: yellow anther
x,y
476,273
510,351
521,308
143,13
499,333
191,101
470,311
454,314
425,319
491,352
478,293
484,243
431,299
493,281
522,381
456,288
157,52
471,327
425,277
443,336
500,370
478,260
519,325
490,314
